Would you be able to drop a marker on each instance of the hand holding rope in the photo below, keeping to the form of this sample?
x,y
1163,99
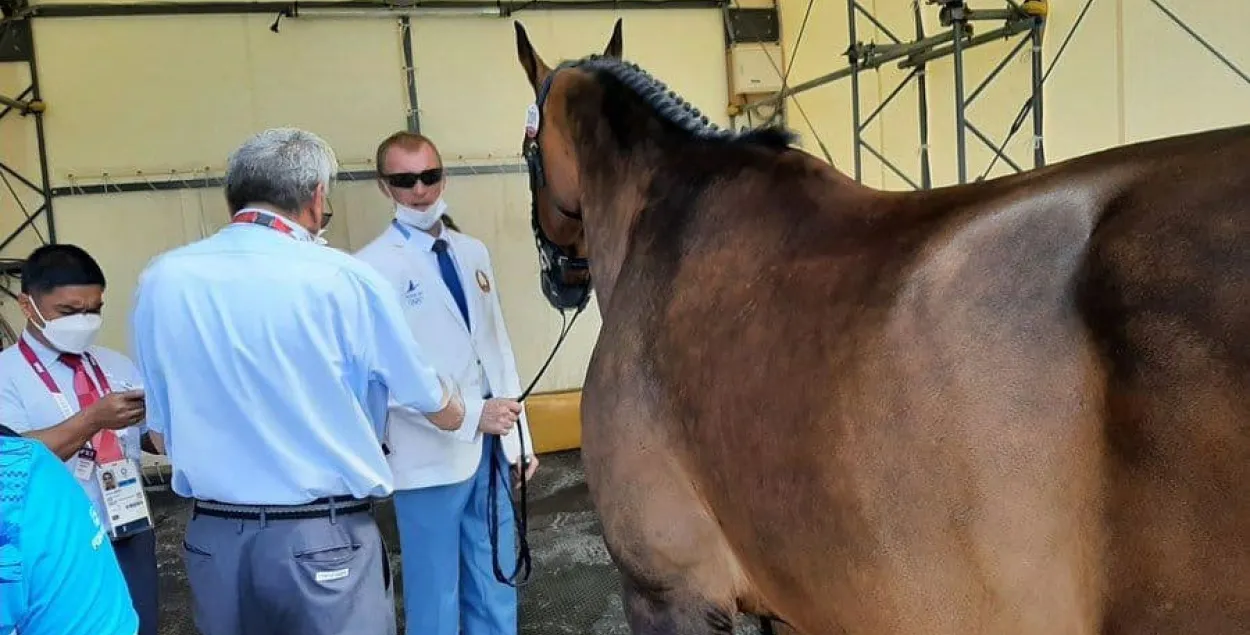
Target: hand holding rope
x,y
498,472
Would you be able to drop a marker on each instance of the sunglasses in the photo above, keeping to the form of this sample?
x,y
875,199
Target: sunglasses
x,y
405,180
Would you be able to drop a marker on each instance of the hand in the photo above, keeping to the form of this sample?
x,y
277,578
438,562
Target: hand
x,y
499,415
117,410
451,417
532,466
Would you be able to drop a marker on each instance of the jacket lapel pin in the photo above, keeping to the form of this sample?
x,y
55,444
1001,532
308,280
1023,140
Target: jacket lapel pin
x,y
482,282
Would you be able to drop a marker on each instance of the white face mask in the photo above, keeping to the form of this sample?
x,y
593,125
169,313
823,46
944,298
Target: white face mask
x,y
422,220
70,333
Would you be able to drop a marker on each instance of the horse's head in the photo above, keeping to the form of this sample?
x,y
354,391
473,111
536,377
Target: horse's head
x,y
556,209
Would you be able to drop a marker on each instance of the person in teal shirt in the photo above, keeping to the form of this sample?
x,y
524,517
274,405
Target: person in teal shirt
x,y
58,572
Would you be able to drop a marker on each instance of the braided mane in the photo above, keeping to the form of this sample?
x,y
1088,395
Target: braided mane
x,y
670,106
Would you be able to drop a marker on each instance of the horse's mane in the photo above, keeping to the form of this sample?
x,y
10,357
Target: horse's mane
x,y
671,108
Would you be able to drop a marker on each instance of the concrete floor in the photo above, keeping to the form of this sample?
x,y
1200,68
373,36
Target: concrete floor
x,y
573,589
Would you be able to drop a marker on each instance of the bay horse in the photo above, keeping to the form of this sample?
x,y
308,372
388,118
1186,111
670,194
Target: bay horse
x,y
1019,406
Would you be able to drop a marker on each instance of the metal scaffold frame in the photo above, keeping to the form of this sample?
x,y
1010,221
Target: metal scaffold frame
x,y
1026,17
17,47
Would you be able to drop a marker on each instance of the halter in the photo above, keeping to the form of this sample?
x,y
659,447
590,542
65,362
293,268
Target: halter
x,y
553,261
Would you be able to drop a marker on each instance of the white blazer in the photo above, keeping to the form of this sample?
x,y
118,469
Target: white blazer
x,y
421,454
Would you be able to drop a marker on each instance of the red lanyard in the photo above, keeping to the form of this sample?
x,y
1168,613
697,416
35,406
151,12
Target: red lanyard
x,y
101,382
264,219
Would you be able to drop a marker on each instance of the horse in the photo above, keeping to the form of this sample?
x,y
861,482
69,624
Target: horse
x,y
1012,406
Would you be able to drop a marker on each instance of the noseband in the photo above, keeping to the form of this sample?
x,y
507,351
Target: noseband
x,y
554,262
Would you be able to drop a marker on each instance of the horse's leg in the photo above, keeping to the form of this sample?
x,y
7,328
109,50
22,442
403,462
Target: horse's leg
x,y
678,576
673,613
677,580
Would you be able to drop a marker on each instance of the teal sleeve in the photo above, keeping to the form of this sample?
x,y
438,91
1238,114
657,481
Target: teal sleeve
x,y
73,580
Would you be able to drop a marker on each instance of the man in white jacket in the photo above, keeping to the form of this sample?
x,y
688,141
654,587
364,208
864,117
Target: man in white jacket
x,y
442,479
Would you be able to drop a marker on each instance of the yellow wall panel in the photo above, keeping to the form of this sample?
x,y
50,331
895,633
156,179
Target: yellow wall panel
x,y
181,92
555,420
471,98
172,96
339,78
1172,84
152,94
473,94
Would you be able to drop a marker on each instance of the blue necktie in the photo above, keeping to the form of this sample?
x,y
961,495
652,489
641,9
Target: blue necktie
x,y
451,278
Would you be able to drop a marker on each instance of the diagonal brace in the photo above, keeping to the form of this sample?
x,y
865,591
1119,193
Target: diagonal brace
x,y
24,107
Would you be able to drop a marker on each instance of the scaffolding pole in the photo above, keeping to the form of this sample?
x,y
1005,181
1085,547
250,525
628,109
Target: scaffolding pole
x,y
17,47
954,42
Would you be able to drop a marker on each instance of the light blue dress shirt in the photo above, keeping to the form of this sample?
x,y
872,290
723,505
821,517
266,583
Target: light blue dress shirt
x,y
268,361
26,404
58,571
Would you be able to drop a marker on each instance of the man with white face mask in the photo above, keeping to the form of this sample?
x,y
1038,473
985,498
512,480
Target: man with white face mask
x,y
83,402
443,479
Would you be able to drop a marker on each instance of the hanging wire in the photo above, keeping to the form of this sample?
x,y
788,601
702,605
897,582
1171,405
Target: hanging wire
x,y
1194,34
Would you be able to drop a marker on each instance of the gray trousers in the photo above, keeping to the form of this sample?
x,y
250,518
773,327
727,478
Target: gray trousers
x,y
313,576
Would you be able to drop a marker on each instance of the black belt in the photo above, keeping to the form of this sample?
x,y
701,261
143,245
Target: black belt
x,y
320,508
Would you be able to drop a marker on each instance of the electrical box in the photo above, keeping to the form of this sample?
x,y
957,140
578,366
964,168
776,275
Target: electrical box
x,y
753,24
756,67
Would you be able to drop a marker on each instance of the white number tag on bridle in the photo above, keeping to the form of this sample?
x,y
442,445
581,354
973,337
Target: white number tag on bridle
x,y
531,121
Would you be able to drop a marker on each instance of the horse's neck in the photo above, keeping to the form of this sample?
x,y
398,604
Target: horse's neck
x,y
609,225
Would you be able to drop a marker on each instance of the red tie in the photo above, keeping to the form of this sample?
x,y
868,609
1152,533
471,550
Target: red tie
x,y
105,442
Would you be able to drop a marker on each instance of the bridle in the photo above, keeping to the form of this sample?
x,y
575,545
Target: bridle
x,y
554,264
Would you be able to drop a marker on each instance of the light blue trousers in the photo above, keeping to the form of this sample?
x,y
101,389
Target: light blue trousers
x,y
449,581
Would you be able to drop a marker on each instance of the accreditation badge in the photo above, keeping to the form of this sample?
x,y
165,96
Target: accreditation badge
x,y
121,487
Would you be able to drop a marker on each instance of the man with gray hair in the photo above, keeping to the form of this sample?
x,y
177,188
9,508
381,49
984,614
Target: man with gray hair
x,y
268,362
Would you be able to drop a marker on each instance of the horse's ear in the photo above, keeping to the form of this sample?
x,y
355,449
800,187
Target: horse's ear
x,y
615,45
535,68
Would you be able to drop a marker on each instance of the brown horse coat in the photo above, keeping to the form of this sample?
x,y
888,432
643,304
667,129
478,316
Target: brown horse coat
x,y
1014,407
